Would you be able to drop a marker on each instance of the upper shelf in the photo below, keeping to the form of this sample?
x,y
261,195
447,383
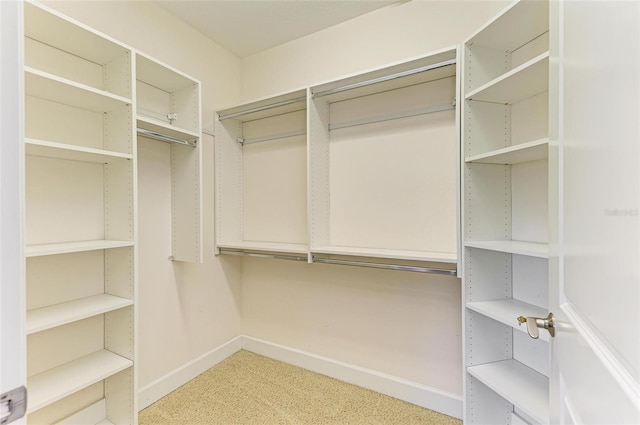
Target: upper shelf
x,y
60,90
157,126
439,65
522,21
161,76
69,36
264,108
520,83
72,152
523,152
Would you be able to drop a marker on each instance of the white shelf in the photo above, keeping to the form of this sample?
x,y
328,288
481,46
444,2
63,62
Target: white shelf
x,y
531,249
507,311
267,107
395,254
159,75
51,87
72,152
60,314
49,27
158,126
93,414
524,152
523,21
518,384
54,384
520,83
69,247
293,248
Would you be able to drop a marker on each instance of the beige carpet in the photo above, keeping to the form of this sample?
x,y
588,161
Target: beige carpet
x,y
250,389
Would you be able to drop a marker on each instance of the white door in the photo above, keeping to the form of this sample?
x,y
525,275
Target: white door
x,y
12,340
595,162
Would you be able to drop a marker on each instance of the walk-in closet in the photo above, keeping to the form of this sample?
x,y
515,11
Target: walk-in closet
x,y
379,211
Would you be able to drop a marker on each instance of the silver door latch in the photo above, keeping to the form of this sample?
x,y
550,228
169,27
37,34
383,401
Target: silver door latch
x,y
535,323
13,405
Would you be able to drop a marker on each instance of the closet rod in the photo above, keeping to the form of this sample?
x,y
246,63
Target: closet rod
x,y
272,137
260,255
395,116
401,267
385,78
164,138
262,108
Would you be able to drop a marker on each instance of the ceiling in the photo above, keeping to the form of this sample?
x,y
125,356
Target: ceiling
x,y
245,27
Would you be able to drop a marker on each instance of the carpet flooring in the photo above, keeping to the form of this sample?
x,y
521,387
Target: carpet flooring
x,y
248,389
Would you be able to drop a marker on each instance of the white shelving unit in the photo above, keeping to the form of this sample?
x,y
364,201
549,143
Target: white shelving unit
x,y
80,219
261,176
505,88
361,169
382,162
168,104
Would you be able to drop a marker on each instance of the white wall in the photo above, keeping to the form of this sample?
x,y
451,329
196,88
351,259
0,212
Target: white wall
x,y
391,34
185,310
407,325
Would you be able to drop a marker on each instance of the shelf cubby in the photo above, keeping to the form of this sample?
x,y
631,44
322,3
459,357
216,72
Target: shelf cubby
x,y
518,384
523,152
168,104
54,384
507,311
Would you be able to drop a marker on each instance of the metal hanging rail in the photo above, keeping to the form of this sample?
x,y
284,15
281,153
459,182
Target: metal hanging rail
x,y
262,108
261,255
164,138
272,137
400,267
385,78
394,116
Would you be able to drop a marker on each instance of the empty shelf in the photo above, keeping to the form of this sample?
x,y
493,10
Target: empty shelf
x,y
158,126
56,315
69,247
506,311
292,248
520,83
524,152
532,249
396,254
56,89
518,384
72,152
54,384
93,414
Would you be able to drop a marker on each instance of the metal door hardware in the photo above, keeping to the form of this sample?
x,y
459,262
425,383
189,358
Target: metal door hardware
x,y
535,323
13,405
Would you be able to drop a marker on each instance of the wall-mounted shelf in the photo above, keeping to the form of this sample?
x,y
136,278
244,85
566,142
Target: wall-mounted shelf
x,y
71,152
523,152
69,247
60,90
437,257
532,249
52,385
60,314
507,311
518,384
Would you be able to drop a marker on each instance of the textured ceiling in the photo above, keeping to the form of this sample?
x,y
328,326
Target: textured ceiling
x,y
245,27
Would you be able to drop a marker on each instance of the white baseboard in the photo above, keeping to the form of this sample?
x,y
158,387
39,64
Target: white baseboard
x,y
160,387
412,392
